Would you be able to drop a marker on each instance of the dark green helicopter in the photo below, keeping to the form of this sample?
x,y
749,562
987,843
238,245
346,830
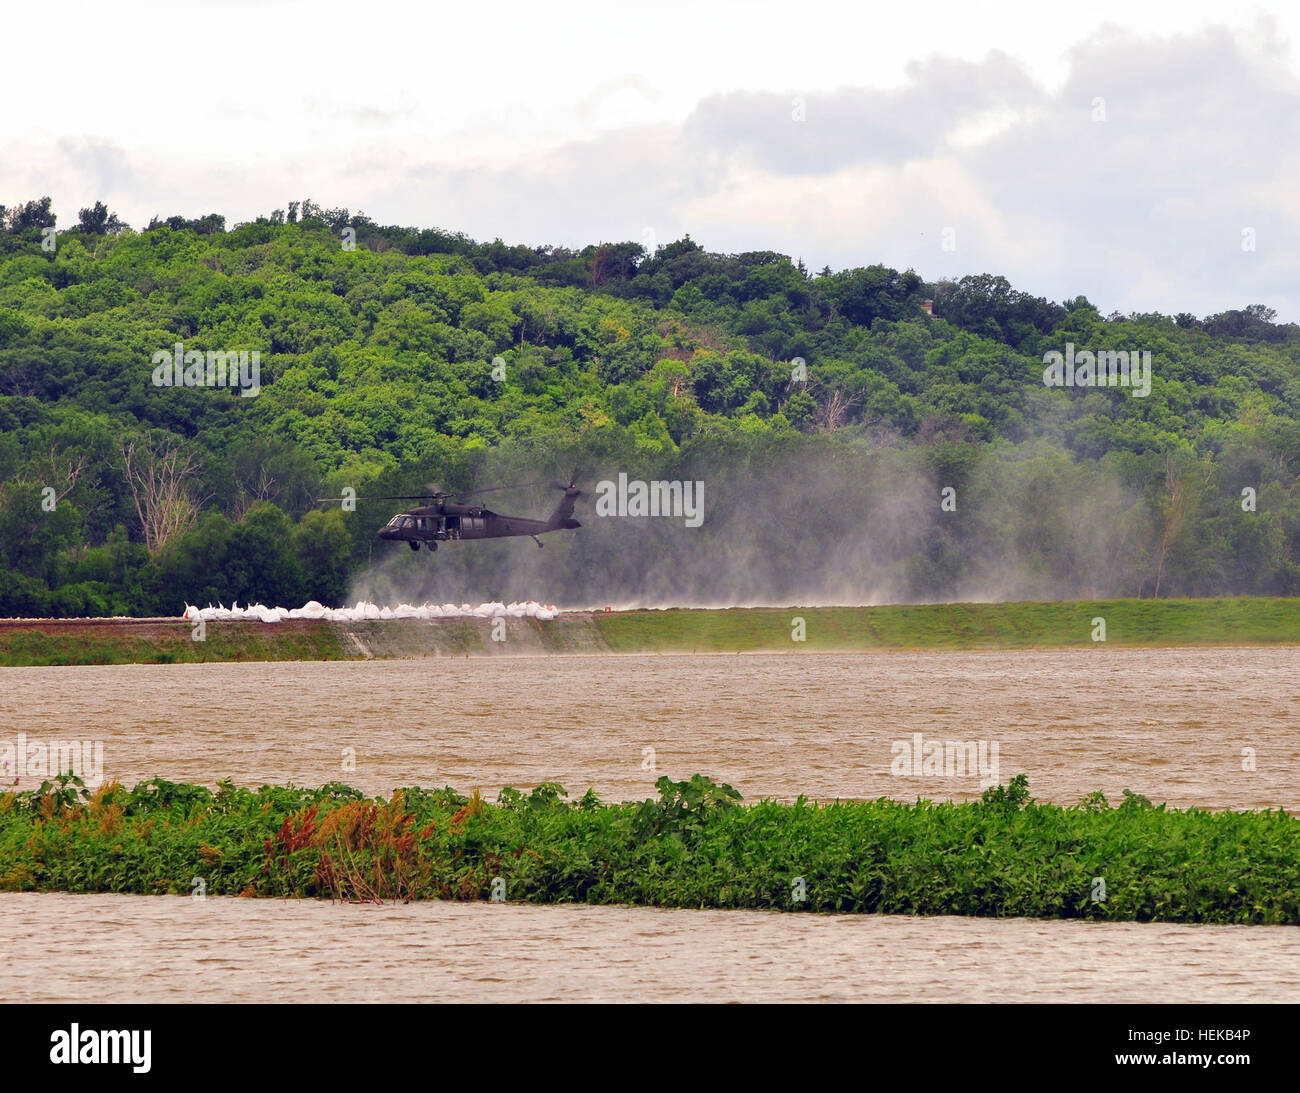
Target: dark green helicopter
x,y
447,520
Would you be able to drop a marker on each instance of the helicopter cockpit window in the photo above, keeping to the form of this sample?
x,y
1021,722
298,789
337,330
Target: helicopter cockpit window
x,y
408,521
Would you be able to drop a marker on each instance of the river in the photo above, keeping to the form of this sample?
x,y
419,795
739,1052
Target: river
x,y
1213,728
174,949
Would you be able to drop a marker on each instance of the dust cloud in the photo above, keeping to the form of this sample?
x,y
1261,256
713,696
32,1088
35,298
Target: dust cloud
x,y
821,524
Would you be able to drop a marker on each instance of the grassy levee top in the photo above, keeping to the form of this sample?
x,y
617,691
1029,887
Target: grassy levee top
x,y
1239,621
957,626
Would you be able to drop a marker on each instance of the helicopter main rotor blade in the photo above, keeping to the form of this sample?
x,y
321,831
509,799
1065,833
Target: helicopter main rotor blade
x,y
387,497
495,489
440,495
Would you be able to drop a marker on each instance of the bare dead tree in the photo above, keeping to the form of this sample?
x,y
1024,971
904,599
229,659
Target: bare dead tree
x,y
1175,506
831,414
881,434
162,484
65,470
261,486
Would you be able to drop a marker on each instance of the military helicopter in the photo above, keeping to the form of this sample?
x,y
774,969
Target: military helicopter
x,y
448,520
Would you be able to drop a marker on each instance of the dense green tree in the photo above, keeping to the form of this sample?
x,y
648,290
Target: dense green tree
x,y
422,355
97,220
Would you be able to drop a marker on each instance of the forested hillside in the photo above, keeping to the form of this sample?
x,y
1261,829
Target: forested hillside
x,y
391,358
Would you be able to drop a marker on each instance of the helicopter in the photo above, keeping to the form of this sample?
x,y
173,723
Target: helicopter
x,y
448,520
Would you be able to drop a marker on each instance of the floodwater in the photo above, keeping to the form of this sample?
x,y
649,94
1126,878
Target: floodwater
x,y
1214,728
114,948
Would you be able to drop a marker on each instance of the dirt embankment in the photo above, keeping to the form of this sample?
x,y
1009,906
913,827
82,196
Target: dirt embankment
x,y
175,640
1094,624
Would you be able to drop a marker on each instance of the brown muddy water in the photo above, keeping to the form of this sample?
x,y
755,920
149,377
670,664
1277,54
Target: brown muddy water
x,y
1184,726
173,949
1215,728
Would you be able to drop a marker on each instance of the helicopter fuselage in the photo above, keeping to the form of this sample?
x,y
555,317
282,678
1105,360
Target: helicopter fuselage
x,y
450,521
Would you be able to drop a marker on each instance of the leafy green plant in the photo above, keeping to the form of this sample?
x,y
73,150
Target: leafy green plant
x,y
66,791
1010,798
684,807
1134,801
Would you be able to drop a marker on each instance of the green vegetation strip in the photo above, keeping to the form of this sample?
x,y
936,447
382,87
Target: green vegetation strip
x,y
693,847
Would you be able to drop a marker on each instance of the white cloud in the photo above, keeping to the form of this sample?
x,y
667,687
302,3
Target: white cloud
x,y
580,122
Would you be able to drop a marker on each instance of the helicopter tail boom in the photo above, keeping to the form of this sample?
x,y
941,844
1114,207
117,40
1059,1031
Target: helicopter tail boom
x,y
562,517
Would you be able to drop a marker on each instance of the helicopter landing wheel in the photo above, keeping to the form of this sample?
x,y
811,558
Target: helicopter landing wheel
x,y
431,545
415,544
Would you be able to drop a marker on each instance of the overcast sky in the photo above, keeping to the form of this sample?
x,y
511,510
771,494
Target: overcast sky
x,y
581,121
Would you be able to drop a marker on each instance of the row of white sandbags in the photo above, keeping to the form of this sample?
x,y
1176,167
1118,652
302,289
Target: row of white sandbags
x,y
365,611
